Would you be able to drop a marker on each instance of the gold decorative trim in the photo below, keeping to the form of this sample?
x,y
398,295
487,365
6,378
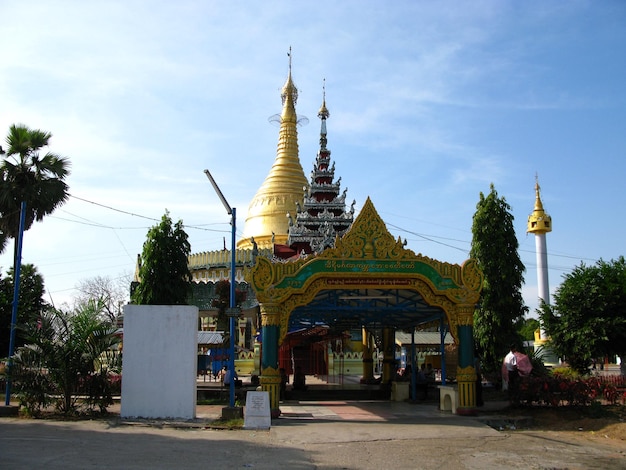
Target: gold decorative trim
x,y
465,315
453,288
269,376
271,314
465,374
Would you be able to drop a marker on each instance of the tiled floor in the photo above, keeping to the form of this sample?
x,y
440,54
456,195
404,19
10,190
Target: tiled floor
x,y
353,411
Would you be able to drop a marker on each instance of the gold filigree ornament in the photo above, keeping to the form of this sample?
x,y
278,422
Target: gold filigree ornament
x,y
262,274
466,374
472,275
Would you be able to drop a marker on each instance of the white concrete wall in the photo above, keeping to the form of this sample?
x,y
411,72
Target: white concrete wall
x,y
159,361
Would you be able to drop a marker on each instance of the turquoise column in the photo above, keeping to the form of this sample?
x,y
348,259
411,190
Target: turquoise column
x,y
466,372
270,375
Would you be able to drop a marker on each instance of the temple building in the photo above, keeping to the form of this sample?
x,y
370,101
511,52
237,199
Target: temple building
x,y
290,217
324,291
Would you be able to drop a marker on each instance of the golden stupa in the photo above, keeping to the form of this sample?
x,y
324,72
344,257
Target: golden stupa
x,y
285,184
539,221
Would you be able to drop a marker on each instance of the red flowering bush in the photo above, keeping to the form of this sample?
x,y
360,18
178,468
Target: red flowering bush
x,y
565,389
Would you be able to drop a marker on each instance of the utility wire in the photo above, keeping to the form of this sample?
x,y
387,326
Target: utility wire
x,y
197,227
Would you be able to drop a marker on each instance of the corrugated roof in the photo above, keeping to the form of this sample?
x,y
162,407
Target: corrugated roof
x,y
423,337
210,337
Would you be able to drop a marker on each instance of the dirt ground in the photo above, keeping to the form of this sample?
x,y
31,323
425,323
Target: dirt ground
x,y
607,422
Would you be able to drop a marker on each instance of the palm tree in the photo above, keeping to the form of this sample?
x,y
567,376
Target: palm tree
x,y
26,176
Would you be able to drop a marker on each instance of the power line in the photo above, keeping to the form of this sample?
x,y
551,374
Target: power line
x,y
97,224
431,238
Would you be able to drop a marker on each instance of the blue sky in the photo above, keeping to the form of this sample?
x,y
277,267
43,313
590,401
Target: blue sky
x,y
430,102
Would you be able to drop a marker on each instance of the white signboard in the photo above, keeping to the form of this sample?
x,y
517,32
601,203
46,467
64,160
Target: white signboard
x,y
257,411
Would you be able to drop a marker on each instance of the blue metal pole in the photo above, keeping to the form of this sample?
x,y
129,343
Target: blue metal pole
x,y
231,313
16,296
232,306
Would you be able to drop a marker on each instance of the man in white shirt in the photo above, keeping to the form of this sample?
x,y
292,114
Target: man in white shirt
x,y
510,373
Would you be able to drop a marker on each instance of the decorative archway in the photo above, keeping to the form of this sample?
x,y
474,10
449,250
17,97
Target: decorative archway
x,y
367,278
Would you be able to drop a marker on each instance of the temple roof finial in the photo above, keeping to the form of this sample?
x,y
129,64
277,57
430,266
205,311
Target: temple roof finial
x,y
323,115
289,91
323,112
289,55
538,203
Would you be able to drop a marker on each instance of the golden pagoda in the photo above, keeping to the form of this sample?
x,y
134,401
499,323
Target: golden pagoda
x,y
539,221
285,184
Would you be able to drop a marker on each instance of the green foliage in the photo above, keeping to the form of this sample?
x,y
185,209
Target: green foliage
x,y
67,355
536,359
527,328
164,273
565,372
27,176
30,304
501,307
588,315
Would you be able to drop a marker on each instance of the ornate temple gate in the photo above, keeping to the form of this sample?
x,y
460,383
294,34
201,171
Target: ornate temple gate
x,y
367,280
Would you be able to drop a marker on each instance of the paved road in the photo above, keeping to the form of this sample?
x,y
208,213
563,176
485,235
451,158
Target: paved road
x,y
333,435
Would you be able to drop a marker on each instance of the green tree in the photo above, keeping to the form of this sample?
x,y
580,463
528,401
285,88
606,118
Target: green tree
x,y
68,354
26,176
31,304
527,328
588,317
501,307
164,272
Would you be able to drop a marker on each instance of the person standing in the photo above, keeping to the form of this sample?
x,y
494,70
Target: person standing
x,y
284,380
479,382
510,374
299,379
230,375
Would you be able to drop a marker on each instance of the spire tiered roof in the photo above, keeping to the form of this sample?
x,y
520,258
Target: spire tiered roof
x,y
322,216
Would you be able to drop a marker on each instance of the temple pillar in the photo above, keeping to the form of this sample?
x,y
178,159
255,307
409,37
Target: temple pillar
x,y
270,375
389,356
368,362
242,323
466,371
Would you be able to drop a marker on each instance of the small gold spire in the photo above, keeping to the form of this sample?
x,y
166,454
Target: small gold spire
x,y
289,91
323,112
539,222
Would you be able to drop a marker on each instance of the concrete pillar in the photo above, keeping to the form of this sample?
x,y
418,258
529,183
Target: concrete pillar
x,y
389,354
368,362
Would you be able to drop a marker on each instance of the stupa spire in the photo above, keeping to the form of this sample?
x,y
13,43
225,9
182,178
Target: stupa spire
x,y
283,186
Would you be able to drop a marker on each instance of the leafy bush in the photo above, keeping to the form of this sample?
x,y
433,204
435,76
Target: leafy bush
x,y
68,357
570,389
